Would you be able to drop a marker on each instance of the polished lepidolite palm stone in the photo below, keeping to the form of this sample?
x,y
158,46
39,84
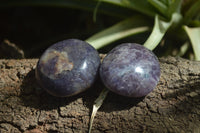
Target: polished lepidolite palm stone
x,y
130,70
67,67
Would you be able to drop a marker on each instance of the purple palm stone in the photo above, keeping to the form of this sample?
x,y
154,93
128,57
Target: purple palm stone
x,y
130,70
68,67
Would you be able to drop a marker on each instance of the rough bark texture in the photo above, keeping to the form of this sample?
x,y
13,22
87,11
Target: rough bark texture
x,y
173,106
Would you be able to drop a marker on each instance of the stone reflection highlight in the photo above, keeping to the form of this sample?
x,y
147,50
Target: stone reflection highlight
x,y
139,70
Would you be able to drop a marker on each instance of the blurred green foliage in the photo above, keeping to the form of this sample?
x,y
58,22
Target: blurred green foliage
x,y
173,24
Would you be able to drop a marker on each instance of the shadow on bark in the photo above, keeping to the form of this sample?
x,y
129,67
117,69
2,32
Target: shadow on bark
x,y
34,96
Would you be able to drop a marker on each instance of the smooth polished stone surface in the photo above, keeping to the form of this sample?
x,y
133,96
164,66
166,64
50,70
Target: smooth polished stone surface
x,y
130,70
68,67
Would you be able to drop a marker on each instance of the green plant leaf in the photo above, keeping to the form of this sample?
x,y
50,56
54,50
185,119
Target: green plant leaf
x,y
125,28
159,30
167,7
174,6
97,104
95,10
191,12
160,6
194,35
183,49
166,2
195,23
142,6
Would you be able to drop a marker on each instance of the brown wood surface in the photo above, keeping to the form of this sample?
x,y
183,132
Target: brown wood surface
x,y
173,106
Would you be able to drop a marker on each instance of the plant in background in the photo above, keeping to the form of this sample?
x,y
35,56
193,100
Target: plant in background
x,y
179,19
175,16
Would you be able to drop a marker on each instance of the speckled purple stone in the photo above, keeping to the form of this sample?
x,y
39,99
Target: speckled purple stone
x,y
68,67
130,70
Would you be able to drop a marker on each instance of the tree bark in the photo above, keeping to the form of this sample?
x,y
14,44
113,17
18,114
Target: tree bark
x,y
173,106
